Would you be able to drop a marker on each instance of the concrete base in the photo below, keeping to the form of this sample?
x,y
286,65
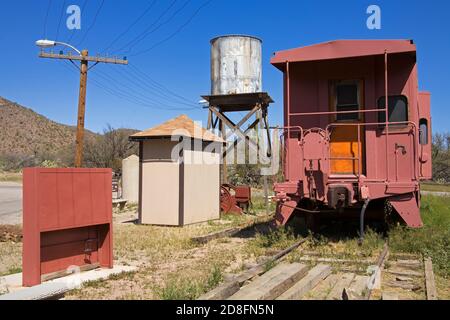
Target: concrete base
x,y
12,284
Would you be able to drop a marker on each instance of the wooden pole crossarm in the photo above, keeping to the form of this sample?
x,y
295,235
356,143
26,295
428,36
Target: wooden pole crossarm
x,y
82,58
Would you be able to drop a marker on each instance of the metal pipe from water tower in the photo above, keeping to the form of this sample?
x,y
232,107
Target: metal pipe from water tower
x,y
236,65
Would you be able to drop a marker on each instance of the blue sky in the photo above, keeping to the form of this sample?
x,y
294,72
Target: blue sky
x,y
181,64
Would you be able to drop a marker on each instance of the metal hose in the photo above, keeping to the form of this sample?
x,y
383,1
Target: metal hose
x,y
361,221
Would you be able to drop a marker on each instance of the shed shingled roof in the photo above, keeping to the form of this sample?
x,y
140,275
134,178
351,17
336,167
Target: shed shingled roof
x,y
182,126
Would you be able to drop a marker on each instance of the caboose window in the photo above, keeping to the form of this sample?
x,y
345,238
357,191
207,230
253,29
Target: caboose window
x,y
423,133
347,99
397,111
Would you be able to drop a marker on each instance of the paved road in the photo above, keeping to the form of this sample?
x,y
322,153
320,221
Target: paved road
x,y
10,203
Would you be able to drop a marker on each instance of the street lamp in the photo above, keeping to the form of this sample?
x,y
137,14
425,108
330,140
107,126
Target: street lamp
x,y
84,59
50,43
81,98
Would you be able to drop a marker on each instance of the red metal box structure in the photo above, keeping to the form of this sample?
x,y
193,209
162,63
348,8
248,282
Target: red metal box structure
x,y
67,220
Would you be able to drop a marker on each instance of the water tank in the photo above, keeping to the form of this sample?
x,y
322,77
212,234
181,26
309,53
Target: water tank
x,y
236,65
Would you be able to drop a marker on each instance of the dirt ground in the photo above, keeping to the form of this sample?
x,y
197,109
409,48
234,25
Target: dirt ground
x,y
10,233
172,266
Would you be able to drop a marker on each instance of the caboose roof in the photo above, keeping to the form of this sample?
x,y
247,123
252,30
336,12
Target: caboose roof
x,y
339,49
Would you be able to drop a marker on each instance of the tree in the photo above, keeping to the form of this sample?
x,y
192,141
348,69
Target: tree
x,y
441,157
109,149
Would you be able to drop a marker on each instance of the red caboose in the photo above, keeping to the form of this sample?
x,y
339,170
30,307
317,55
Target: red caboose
x,y
357,129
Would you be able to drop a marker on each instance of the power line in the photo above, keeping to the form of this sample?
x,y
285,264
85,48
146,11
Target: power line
x,y
159,25
141,74
148,28
46,18
93,22
132,93
176,32
60,19
134,100
156,91
82,13
131,25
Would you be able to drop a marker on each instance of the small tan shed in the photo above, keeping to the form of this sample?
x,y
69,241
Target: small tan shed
x,y
179,173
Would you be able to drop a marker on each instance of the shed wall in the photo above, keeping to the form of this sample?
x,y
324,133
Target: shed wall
x,y
175,193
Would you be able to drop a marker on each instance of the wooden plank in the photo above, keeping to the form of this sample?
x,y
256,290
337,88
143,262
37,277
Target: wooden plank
x,y
314,276
429,280
342,284
397,272
404,285
82,58
259,269
332,260
232,231
217,235
272,283
407,264
321,291
253,272
357,289
221,292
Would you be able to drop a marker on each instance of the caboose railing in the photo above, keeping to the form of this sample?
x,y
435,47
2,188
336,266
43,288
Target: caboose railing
x,y
385,110
414,130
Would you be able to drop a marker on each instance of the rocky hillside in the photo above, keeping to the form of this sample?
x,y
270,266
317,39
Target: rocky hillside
x,y
24,132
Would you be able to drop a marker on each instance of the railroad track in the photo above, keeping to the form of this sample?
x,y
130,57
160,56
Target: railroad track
x,y
255,223
314,277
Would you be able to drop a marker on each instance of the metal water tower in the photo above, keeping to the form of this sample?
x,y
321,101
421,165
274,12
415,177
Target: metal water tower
x,y
236,86
236,65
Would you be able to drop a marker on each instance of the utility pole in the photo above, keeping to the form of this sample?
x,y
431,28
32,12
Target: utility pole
x,y
79,144
84,59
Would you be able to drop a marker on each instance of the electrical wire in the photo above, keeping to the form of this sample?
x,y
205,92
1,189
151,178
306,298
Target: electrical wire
x,y
133,93
138,38
144,76
93,22
174,33
135,101
60,19
46,18
123,95
82,13
152,4
156,87
160,25
155,91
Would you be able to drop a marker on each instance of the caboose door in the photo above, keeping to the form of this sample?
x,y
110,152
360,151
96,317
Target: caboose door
x,y
346,143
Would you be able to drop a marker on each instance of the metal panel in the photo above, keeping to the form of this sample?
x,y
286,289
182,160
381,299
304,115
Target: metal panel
x,y
236,65
67,219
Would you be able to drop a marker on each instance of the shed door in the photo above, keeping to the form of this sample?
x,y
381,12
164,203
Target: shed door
x,y
346,150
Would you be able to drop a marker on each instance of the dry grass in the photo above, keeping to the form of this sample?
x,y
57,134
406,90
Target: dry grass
x,y
171,266
436,187
10,257
10,176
